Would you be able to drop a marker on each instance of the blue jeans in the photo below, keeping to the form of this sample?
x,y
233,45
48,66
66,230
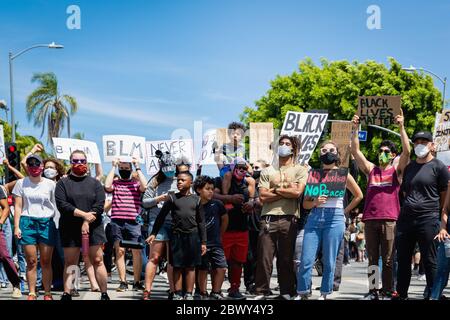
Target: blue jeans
x,y
7,232
443,270
324,229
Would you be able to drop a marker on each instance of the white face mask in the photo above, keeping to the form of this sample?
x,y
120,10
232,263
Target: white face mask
x,y
421,151
284,151
50,173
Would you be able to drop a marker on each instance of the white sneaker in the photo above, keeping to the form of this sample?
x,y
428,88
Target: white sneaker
x,y
422,277
301,297
323,297
16,294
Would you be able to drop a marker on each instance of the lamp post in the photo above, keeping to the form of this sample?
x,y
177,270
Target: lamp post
x,y
443,80
11,90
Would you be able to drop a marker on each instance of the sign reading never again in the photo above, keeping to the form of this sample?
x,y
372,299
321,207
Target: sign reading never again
x,y
308,127
331,183
182,149
378,110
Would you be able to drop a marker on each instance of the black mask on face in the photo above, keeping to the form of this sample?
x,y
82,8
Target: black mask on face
x,y
328,158
256,174
125,174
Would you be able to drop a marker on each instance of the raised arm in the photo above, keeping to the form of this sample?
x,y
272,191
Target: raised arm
x,y
363,164
406,147
110,177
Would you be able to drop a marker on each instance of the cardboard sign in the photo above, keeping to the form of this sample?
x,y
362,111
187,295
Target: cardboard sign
x,y
63,147
2,145
341,133
183,148
124,148
261,137
378,110
208,143
308,127
441,135
331,183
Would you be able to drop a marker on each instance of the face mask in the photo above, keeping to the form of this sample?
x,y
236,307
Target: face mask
x,y
239,175
170,174
284,151
50,173
328,158
384,158
125,174
256,174
35,171
421,151
79,169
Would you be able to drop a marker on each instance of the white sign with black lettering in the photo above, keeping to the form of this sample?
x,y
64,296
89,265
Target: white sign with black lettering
x,y
207,152
308,127
63,147
178,149
124,148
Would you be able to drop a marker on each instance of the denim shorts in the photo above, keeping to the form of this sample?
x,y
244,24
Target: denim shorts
x,y
37,230
129,230
164,233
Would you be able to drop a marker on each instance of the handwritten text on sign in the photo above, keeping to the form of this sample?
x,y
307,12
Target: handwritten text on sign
x,y
179,149
442,131
124,148
308,127
63,147
331,183
378,110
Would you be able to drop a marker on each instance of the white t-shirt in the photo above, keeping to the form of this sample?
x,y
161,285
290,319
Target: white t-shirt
x,y
38,200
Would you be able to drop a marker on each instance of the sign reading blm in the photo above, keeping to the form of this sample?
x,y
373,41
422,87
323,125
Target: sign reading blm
x,y
308,127
380,110
124,148
331,183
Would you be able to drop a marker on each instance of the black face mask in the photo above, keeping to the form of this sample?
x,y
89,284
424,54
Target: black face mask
x,y
256,174
125,174
328,158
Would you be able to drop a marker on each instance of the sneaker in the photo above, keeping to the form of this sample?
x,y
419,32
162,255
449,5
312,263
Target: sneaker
x,y
372,295
235,295
3,285
16,294
216,296
123,287
188,296
48,296
74,293
114,268
146,295
422,277
284,297
170,295
250,289
32,296
137,286
323,297
66,297
177,296
259,297
301,297
105,297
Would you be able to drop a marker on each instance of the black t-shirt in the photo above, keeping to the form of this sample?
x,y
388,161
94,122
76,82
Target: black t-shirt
x,y
237,219
187,215
422,185
214,210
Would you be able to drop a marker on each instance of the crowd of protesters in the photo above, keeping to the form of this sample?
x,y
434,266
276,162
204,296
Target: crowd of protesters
x,y
231,226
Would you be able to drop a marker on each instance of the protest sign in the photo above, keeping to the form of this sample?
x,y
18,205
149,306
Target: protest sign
x,y
124,148
63,147
378,110
261,138
208,144
2,145
441,135
178,149
331,183
341,133
308,127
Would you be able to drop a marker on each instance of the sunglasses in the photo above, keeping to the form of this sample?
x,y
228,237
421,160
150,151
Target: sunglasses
x,y
256,168
325,150
34,164
78,161
241,169
386,151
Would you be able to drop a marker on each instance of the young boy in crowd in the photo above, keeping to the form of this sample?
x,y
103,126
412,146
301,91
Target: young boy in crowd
x,y
216,220
188,242
228,153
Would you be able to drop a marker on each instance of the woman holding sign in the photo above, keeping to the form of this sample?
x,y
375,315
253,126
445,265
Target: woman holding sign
x,y
326,223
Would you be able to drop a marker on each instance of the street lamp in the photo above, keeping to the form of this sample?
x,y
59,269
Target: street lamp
x,y
444,81
12,56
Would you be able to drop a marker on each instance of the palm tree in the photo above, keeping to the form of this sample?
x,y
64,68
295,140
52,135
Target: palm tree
x,y
78,135
47,107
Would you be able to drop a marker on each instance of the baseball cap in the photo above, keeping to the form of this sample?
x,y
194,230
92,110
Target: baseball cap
x,y
422,135
34,156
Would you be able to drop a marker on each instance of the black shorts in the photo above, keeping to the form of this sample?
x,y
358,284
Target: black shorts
x,y
185,250
213,259
128,230
71,237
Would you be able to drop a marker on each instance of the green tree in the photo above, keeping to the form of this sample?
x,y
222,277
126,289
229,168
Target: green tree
x,y
78,135
48,107
335,86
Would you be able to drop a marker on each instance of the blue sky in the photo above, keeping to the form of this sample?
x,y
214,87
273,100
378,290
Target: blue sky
x,y
145,67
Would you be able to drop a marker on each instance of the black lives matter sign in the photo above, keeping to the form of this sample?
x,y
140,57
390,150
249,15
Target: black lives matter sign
x,y
308,127
378,110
